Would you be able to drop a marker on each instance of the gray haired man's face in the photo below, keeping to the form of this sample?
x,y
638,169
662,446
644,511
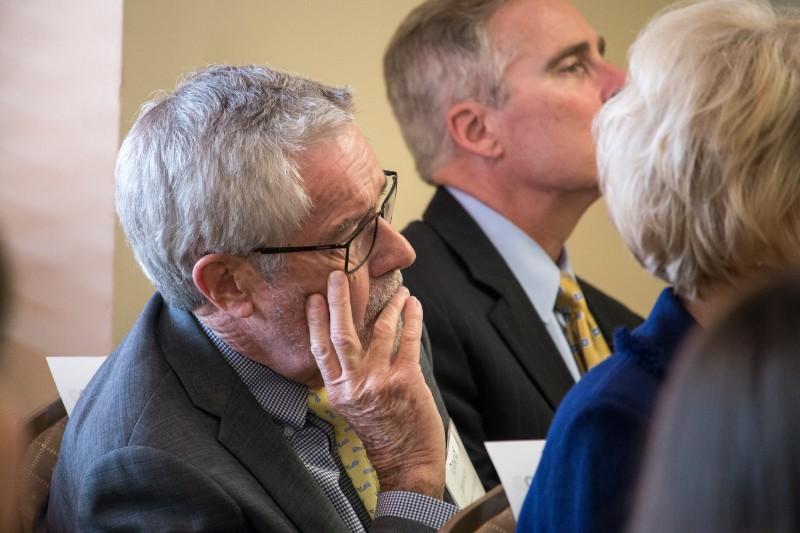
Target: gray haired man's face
x,y
344,182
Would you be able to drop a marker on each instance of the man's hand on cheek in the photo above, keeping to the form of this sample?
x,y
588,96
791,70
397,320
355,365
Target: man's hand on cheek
x,y
384,398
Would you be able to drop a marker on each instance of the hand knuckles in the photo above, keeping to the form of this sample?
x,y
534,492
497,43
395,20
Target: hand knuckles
x,y
313,320
318,349
342,340
410,332
384,327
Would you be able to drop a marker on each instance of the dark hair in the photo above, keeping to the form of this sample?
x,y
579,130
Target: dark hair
x,y
724,453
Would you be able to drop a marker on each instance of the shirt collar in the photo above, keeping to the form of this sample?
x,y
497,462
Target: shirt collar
x,y
656,340
284,400
538,275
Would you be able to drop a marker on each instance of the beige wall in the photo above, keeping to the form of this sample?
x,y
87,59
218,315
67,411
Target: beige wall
x,y
59,121
340,43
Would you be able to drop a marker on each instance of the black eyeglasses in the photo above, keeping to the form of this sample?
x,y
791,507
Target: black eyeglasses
x,y
357,247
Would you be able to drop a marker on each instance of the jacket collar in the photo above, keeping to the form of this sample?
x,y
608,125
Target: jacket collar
x,y
513,315
656,340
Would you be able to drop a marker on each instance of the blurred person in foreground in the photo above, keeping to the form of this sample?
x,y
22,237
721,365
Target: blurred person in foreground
x,y
495,99
270,384
9,428
699,165
724,453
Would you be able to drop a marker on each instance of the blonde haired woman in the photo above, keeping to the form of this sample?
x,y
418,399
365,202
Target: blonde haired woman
x,y
699,160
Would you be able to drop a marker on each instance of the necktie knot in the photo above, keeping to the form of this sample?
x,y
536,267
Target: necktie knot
x,y
570,297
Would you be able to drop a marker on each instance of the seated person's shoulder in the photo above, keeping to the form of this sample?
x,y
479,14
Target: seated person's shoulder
x,y
130,486
125,388
423,238
613,388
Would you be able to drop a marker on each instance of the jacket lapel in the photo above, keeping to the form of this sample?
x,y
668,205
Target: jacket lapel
x,y
513,316
245,429
258,443
531,345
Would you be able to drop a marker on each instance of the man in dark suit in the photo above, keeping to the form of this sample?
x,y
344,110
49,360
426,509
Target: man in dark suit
x,y
504,133
271,383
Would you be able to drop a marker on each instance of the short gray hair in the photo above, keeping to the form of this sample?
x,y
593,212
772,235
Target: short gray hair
x,y
212,167
698,154
441,54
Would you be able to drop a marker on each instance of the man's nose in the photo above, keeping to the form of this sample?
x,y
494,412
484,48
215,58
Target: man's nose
x,y
392,251
614,79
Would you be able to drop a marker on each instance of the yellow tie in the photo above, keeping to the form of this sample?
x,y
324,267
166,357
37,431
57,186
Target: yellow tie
x,y
583,335
350,449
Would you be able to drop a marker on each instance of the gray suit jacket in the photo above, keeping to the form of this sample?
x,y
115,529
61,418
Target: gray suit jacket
x,y
166,437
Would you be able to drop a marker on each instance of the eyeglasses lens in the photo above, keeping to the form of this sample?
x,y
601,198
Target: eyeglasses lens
x,y
362,245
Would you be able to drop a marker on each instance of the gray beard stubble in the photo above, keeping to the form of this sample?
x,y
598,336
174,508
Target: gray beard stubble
x,y
295,329
378,299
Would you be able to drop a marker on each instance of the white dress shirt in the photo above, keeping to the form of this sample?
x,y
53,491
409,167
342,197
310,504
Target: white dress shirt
x,y
538,275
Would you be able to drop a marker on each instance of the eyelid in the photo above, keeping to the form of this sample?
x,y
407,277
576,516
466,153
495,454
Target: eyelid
x,y
349,228
571,62
343,231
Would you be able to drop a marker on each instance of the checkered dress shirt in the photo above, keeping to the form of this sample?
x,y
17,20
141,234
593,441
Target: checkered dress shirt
x,y
313,441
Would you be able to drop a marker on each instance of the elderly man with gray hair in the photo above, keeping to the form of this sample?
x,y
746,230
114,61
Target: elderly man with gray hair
x,y
276,380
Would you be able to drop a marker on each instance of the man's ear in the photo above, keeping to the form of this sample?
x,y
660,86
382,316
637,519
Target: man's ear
x,y
470,127
223,281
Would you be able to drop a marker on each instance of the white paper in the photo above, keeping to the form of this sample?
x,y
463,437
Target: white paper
x,y
71,375
515,462
461,478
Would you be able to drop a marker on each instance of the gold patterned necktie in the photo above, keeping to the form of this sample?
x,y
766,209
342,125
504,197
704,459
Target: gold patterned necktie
x,y
350,449
584,336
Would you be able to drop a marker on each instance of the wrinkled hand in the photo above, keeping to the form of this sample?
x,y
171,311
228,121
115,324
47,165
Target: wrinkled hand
x,y
383,396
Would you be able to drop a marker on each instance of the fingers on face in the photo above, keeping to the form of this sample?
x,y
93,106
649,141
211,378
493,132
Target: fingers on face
x,y
411,336
342,331
334,341
384,331
320,337
385,327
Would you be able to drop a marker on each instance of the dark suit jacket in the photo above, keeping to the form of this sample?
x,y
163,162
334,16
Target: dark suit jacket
x,y
499,372
166,437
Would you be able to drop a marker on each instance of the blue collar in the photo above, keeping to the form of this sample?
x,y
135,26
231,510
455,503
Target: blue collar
x,y
656,340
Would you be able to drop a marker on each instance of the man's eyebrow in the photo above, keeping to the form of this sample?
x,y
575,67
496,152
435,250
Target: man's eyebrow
x,y
340,231
582,48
